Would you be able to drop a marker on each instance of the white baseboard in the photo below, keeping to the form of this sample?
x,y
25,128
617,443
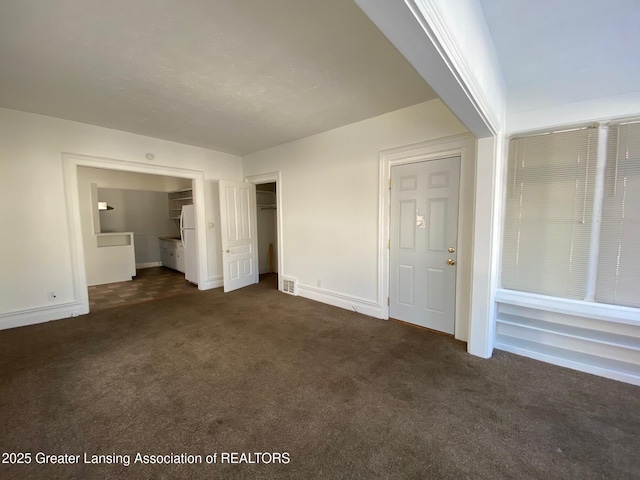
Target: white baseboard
x,y
32,316
360,305
140,266
212,282
563,362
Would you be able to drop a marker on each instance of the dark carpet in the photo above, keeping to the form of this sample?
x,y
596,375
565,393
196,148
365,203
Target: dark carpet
x,y
263,373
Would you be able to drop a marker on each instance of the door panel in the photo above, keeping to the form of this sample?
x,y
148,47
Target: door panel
x,y
239,249
405,284
435,294
407,225
437,208
438,179
423,226
239,236
248,266
408,182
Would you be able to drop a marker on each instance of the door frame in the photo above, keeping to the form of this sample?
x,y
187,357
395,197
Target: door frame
x,y
70,164
273,177
462,146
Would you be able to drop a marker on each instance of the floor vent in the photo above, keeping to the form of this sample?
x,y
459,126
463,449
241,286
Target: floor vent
x,y
290,285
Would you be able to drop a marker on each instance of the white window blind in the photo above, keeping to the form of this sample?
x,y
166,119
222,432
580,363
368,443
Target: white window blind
x,y
549,203
618,277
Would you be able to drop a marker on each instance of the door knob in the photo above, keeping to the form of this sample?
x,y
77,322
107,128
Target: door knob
x,y
451,250
451,261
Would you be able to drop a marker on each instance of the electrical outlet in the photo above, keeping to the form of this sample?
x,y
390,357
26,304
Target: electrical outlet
x,y
52,295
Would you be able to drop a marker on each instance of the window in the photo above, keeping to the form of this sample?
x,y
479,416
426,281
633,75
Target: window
x,y
618,279
572,214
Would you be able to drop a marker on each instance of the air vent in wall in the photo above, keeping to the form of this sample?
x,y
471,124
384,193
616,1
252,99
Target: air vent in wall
x,y
290,285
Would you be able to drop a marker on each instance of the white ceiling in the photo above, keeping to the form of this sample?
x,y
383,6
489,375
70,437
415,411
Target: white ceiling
x,y
244,75
557,52
236,76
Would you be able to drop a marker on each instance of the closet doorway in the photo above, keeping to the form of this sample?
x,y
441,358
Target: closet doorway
x,y
267,225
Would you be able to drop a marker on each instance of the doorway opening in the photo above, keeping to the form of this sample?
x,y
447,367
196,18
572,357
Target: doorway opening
x,y
84,219
269,228
267,225
138,240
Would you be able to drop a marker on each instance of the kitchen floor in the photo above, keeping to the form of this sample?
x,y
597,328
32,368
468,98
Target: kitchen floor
x,y
149,284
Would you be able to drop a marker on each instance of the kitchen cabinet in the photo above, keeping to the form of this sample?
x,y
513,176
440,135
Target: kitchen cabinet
x,y
172,253
177,199
180,257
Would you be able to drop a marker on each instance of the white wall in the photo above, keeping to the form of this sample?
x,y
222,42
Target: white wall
x,y
329,188
32,192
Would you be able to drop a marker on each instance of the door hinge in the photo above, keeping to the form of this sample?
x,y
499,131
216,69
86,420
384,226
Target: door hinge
x,y
389,184
389,243
388,302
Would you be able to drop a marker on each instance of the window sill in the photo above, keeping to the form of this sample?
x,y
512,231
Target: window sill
x,y
600,311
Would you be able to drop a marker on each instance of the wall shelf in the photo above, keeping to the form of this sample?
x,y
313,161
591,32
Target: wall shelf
x,y
177,199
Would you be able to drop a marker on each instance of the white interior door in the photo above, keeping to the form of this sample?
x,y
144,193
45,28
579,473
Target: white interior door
x,y
239,234
423,230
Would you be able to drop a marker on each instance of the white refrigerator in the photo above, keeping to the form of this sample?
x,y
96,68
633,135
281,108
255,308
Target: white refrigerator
x,y
189,242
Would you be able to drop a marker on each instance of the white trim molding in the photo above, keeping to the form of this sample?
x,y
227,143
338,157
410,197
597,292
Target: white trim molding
x,y
32,316
348,302
462,146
